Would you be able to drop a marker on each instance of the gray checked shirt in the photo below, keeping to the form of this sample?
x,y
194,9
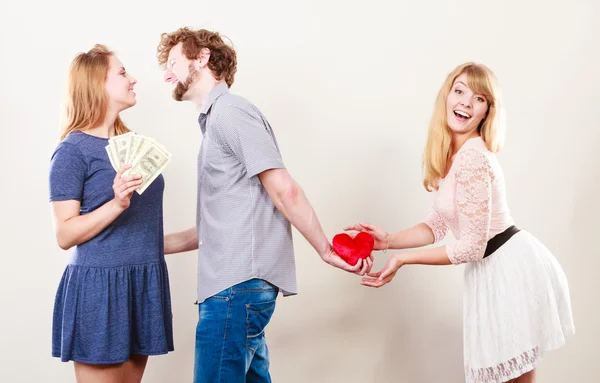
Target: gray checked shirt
x,y
241,234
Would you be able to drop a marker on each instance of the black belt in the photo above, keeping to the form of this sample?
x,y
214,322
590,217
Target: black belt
x,y
499,240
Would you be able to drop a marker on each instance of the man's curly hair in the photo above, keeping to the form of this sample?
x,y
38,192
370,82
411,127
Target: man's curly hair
x,y
222,61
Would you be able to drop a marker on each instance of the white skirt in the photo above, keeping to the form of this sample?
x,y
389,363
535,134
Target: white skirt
x,y
516,307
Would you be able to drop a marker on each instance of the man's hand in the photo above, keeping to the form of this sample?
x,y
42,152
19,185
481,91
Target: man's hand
x,y
362,267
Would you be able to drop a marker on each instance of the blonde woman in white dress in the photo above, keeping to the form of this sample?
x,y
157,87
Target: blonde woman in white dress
x,y
516,299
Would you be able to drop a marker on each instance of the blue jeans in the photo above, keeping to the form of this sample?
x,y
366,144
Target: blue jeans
x,y
230,338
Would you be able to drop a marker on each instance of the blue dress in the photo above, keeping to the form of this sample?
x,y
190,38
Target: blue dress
x,y
113,299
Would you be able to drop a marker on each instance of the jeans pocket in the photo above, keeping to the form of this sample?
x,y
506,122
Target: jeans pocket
x,y
212,317
258,316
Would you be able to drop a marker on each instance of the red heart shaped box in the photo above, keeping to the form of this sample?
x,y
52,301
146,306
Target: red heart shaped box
x,y
352,249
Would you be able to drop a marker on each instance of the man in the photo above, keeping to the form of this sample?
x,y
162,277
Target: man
x,y
246,202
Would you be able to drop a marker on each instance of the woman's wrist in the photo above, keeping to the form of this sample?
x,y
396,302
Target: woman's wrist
x,y
116,206
388,240
400,259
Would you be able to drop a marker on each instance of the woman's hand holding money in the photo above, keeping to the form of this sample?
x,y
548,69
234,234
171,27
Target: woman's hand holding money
x,y
124,186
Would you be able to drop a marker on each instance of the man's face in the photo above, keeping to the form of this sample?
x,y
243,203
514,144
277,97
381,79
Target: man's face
x,y
181,72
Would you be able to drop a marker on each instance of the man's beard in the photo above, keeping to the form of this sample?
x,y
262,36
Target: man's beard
x,y
182,87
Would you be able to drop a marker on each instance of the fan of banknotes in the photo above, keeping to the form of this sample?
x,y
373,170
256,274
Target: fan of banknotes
x,y
147,157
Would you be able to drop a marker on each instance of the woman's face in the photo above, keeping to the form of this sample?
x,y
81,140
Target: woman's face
x,y
464,109
119,86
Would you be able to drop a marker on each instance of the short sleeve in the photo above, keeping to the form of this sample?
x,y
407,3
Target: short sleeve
x,y
249,138
67,173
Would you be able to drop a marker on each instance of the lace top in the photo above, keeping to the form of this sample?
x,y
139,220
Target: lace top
x,y
471,202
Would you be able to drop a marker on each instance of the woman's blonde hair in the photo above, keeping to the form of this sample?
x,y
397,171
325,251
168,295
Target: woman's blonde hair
x,y
438,148
85,100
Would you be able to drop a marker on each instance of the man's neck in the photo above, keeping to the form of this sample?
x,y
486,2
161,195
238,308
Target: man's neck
x,y
198,93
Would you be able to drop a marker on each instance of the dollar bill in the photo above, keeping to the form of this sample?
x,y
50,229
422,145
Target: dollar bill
x,y
150,165
137,145
111,157
120,148
147,157
160,146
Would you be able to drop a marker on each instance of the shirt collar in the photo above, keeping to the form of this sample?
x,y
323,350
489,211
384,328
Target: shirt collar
x,y
213,95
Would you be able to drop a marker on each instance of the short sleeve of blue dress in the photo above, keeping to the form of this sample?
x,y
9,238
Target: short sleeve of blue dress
x,y
113,299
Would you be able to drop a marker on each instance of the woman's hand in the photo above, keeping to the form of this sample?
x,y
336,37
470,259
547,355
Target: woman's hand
x,y
124,186
386,274
380,236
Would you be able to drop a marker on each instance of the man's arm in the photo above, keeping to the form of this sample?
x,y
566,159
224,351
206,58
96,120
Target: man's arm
x,y
290,200
243,132
182,241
